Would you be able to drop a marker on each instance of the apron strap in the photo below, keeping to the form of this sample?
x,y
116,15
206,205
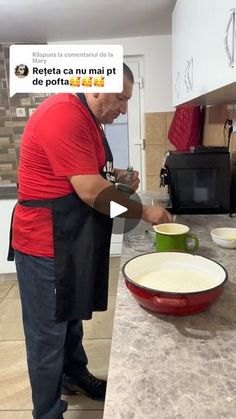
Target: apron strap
x,y
37,203
11,256
108,151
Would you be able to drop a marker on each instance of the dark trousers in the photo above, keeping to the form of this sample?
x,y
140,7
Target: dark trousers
x,y
54,350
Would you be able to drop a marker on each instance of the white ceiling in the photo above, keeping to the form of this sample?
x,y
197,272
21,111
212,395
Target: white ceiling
x,y
75,20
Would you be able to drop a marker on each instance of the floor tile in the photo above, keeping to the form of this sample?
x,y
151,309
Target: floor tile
x,y
86,414
101,324
10,320
5,287
89,414
113,280
11,327
11,414
15,399
14,291
14,382
114,262
8,277
98,353
81,402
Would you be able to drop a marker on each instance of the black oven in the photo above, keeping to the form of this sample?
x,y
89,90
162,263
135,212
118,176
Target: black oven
x,y
199,182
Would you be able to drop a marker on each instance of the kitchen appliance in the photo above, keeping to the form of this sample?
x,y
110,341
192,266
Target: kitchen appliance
x,y
199,181
175,303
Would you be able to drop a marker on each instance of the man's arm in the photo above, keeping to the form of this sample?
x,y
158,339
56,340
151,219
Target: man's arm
x,y
89,188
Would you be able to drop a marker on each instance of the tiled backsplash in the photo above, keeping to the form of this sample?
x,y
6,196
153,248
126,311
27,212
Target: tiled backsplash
x,y
214,133
157,125
14,112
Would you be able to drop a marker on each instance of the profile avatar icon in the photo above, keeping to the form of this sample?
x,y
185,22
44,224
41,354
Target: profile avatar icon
x,y
21,70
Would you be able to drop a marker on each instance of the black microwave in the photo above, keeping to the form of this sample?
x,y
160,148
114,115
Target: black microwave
x,y
199,181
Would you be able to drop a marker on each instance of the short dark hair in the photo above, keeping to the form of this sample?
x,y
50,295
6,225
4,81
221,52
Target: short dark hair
x,y
128,73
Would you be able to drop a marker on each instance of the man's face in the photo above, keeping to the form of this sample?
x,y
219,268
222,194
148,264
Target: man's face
x,y
108,106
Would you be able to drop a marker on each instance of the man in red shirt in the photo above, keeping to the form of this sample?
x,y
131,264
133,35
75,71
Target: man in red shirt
x,y
61,240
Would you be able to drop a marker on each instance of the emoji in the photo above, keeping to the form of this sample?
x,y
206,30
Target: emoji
x,y
75,81
99,81
87,81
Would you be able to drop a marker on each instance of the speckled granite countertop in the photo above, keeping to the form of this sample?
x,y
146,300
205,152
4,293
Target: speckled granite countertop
x,y
176,367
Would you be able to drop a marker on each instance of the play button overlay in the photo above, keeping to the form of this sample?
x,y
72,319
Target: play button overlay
x,y
116,209
116,205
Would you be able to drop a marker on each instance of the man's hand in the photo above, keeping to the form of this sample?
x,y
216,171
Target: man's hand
x,y
135,181
156,215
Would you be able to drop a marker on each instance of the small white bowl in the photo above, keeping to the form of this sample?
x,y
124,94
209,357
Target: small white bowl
x,y
224,237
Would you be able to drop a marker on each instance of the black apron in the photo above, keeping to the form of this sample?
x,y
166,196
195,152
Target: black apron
x,y
81,237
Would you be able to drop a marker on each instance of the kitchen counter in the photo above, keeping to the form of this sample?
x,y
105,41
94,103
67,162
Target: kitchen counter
x,y
164,367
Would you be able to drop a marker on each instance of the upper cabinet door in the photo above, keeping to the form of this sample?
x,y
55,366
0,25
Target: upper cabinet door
x,y
204,51
183,50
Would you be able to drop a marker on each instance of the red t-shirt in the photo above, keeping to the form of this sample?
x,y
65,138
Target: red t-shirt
x,y
60,139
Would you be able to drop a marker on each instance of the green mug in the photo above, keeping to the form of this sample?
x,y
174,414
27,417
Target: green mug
x,y
173,236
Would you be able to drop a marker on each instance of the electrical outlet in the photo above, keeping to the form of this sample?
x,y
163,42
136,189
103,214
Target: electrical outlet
x,y
234,125
20,112
31,111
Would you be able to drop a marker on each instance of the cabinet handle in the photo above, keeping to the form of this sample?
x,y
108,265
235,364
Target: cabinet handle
x,y
188,77
190,73
186,81
230,56
177,84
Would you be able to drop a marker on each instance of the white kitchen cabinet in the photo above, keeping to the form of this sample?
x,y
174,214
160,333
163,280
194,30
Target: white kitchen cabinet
x,y
204,51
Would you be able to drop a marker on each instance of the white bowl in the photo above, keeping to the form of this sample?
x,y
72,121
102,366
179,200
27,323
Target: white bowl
x,y
224,237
